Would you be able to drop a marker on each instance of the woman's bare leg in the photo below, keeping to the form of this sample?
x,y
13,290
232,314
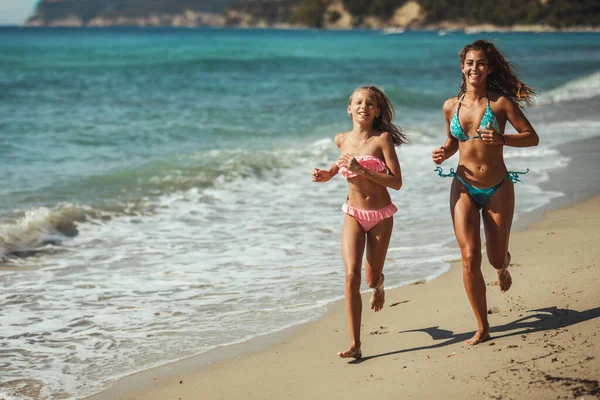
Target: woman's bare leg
x,y
497,220
353,246
378,241
465,216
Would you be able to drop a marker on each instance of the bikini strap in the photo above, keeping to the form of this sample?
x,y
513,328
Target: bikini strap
x,y
460,103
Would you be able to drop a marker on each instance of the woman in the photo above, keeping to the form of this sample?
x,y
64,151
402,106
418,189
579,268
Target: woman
x,y
490,96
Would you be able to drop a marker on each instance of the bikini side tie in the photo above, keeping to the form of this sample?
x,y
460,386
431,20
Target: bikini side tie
x,y
439,170
512,175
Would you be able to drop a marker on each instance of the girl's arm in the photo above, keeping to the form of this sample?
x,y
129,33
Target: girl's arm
x,y
322,175
393,179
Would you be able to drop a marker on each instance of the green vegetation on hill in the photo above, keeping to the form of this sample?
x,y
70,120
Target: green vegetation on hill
x,y
313,13
560,13
310,13
87,9
270,11
376,8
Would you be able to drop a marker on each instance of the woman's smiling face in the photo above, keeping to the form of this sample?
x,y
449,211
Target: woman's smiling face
x,y
476,67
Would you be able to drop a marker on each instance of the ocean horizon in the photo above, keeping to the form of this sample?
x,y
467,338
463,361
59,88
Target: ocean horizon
x,y
157,200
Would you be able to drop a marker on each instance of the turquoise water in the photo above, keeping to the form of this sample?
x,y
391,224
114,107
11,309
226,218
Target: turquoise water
x,y
162,176
107,105
104,104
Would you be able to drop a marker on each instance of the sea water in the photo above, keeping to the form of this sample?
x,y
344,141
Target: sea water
x,y
156,197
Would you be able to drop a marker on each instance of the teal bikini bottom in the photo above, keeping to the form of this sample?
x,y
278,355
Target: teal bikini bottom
x,y
481,195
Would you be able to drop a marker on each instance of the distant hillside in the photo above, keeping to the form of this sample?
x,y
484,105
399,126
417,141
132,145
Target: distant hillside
x,y
128,12
447,14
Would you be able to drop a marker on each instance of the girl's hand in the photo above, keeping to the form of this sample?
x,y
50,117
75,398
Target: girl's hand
x,y
349,162
439,155
320,175
490,136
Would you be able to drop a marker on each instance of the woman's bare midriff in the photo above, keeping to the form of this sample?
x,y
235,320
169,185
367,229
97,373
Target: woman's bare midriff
x,y
481,165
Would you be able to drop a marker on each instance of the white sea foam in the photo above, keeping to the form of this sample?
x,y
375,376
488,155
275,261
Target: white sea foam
x,y
582,88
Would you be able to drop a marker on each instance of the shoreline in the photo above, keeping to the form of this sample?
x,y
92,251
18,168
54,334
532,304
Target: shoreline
x,y
332,325
445,29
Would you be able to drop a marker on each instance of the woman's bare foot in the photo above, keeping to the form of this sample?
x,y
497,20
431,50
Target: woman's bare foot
x,y
378,297
480,336
504,278
352,352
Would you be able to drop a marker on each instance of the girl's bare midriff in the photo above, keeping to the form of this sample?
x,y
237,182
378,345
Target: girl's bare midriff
x,y
366,194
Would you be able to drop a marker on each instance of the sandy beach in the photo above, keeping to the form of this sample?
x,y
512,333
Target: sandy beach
x,y
545,341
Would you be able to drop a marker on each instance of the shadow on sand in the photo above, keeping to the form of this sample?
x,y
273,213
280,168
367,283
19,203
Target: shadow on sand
x,y
543,319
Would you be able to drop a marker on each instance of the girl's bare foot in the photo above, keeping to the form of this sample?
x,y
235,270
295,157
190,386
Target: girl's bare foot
x,y
352,352
480,336
378,298
504,278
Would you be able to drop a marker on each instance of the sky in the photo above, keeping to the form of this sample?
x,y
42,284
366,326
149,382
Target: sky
x,y
15,12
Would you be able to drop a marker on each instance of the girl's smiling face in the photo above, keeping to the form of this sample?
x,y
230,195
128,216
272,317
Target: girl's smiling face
x,y
476,67
363,106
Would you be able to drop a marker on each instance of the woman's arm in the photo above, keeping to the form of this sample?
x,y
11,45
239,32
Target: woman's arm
x,y
450,146
446,151
526,135
392,180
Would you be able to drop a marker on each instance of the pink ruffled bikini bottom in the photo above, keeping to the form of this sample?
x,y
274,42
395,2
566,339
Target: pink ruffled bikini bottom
x,y
369,218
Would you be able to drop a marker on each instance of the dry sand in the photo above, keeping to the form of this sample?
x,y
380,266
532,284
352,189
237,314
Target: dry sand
x,y
545,337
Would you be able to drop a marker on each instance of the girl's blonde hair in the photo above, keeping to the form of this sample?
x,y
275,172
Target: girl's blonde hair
x,y
383,122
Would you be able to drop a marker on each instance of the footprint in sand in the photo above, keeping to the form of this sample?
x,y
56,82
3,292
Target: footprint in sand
x,y
381,331
514,265
494,310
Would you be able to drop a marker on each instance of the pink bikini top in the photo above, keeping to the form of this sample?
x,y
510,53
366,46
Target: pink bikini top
x,y
369,162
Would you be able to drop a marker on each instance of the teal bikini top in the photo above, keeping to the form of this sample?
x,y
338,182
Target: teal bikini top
x,y
488,118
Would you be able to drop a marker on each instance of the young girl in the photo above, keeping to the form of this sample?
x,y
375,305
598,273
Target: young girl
x,y
489,97
370,164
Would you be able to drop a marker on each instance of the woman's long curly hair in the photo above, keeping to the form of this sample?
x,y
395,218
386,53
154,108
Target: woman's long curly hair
x,y
384,121
502,79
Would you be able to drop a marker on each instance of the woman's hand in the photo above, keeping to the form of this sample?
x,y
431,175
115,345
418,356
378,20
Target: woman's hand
x,y
349,162
321,175
490,136
439,155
